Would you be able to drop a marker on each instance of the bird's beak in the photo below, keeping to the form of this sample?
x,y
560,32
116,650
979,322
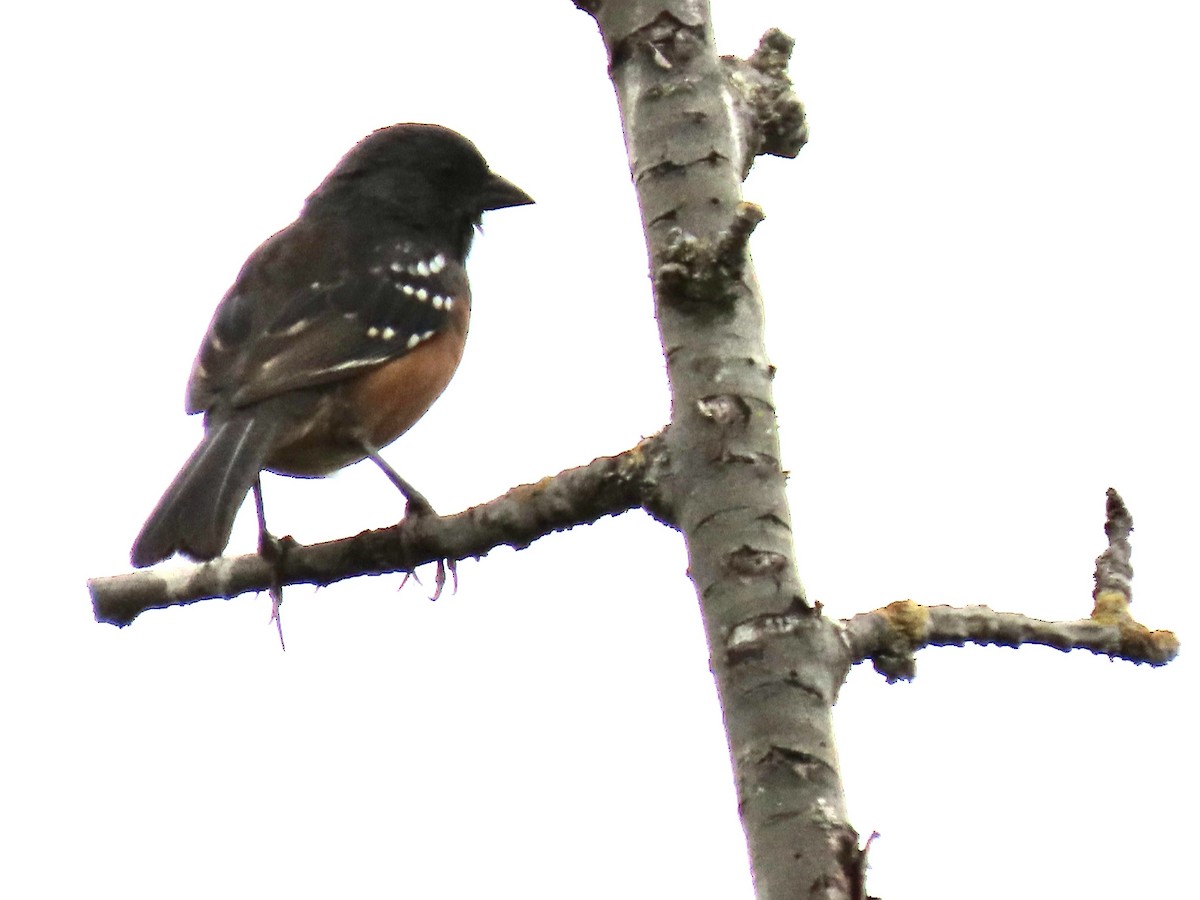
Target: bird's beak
x,y
500,193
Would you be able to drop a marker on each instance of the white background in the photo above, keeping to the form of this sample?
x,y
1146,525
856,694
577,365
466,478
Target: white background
x,y
981,290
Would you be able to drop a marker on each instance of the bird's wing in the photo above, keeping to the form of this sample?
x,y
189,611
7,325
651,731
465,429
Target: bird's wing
x,y
312,307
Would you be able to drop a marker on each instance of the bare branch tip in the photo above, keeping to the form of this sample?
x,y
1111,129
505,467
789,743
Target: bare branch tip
x,y
1118,520
1114,573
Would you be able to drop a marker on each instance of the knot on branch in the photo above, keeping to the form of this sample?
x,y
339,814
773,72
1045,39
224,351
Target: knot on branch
x,y
693,269
909,624
778,123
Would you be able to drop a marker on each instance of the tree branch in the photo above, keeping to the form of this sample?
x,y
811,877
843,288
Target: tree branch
x,y
890,636
606,486
693,125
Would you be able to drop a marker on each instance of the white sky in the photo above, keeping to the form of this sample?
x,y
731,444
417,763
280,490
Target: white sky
x,y
981,289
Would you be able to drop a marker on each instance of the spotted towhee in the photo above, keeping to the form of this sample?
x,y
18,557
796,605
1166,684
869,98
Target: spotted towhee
x,y
338,333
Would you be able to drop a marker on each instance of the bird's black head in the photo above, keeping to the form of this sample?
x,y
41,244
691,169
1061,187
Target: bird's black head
x,y
424,178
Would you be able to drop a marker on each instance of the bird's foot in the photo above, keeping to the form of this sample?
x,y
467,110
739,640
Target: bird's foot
x,y
439,579
274,552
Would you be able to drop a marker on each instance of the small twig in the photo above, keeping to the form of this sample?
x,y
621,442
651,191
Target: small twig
x,y
890,636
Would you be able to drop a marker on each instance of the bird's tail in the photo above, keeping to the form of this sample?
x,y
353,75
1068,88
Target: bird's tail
x,y
196,513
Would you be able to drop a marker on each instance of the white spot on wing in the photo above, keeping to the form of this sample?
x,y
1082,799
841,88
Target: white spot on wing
x,y
437,264
351,364
423,269
422,294
389,333
413,341
372,331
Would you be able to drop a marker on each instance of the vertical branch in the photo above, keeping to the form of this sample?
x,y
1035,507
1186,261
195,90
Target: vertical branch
x,y
693,124
1114,592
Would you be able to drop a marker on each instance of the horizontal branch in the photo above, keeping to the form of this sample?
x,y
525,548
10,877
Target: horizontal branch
x,y
890,636
606,486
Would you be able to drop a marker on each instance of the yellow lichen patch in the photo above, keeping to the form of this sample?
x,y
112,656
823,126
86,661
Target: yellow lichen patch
x,y
911,619
1141,644
1138,642
1111,608
633,459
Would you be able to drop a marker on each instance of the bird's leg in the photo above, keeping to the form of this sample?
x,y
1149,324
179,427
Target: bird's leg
x,y
269,547
273,550
417,505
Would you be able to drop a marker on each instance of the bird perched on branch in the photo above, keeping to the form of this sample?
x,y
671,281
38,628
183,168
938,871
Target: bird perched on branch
x,y
338,334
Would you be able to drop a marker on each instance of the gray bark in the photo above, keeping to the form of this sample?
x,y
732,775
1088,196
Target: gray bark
x,y
693,125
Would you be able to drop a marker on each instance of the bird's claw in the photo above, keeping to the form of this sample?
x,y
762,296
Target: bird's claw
x,y
274,551
439,579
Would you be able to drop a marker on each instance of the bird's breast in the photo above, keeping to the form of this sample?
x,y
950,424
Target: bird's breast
x,y
379,405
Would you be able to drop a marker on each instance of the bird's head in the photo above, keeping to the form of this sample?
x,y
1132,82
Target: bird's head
x,y
424,177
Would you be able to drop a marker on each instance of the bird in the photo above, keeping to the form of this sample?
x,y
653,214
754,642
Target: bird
x,y
337,335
